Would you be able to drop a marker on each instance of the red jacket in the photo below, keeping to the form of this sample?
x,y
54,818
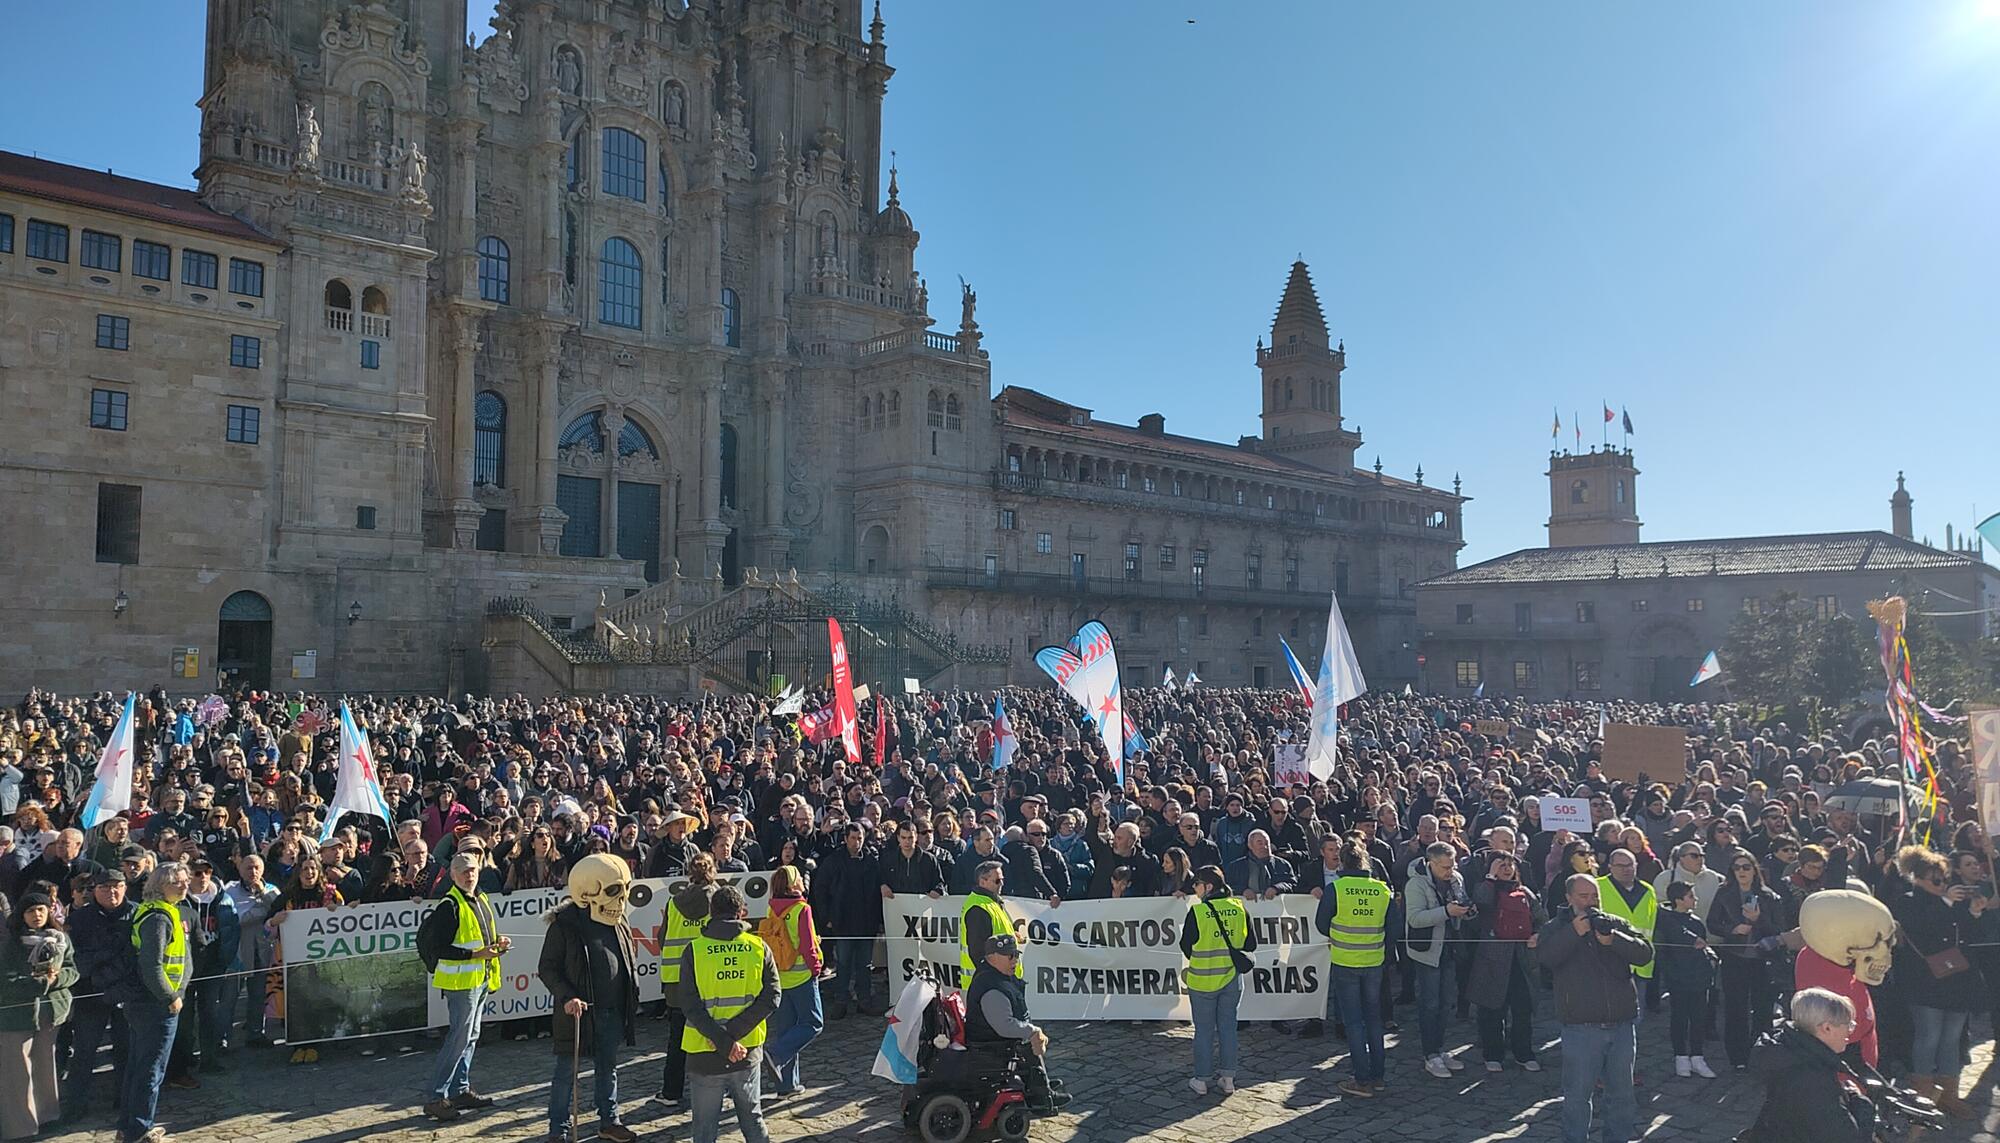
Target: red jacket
x,y
1815,971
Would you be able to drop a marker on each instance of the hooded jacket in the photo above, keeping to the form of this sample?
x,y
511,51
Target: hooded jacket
x,y
1803,1101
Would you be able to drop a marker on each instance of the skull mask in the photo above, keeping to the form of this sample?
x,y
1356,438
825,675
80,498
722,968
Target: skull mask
x,y
599,885
1850,928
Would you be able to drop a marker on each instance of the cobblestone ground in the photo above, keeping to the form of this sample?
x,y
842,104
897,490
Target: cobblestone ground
x,y
1129,1081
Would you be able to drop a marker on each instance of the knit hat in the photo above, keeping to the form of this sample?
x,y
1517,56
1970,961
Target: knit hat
x,y
30,900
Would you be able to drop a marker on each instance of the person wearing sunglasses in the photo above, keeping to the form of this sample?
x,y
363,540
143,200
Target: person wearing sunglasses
x,y
1744,922
1943,990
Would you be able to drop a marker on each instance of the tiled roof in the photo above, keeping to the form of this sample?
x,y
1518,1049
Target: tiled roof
x,y
1750,555
102,190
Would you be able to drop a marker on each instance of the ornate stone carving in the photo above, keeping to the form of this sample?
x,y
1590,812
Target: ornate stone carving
x,y
305,156
501,83
625,81
805,497
567,69
413,170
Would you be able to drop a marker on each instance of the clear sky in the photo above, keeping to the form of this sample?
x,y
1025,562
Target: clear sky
x,y
1771,231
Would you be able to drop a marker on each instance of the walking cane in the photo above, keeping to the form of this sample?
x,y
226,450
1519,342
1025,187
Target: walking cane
x,y
575,1073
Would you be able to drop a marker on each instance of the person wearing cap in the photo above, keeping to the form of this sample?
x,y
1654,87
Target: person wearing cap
x,y
214,932
996,1013
101,930
461,937
37,972
152,1000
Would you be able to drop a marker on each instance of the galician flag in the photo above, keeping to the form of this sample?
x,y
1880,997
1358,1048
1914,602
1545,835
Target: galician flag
x,y
1299,677
1989,529
1193,678
1167,678
111,793
1340,680
1710,668
1004,742
356,789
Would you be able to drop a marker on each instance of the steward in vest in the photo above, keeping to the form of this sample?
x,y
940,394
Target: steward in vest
x,y
793,940
1354,914
983,917
153,1005
461,943
1630,900
590,970
1215,932
996,1015
728,988
686,911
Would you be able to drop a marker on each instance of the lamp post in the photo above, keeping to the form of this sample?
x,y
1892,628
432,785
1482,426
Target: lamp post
x,y
121,603
353,613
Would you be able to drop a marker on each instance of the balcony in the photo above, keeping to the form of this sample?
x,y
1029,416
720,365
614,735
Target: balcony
x,y
1118,588
1032,484
374,325
1509,633
1297,351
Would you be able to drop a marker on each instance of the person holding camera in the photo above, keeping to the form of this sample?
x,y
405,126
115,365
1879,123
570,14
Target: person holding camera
x,y
1591,954
1804,1101
1217,939
1437,904
37,971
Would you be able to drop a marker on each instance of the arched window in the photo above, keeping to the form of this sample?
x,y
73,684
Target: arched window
x,y
587,430
1621,491
339,306
728,465
895,408
489,439
624,164
375,301
634,441
732,318
934,410
863,422
1579,492
952,418
1288,390
495,274
619,275
881,410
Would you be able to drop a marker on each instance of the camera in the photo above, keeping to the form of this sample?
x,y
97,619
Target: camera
x,y
1603,924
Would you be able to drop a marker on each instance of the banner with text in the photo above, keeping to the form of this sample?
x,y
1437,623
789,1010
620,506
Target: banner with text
x,y
354,971
1117,959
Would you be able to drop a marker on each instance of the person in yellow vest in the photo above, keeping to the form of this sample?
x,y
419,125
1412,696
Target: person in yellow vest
x,y
984,916
1354,916
468,969
1216,928
686,910
153,1004
729,988
1626,896
798,956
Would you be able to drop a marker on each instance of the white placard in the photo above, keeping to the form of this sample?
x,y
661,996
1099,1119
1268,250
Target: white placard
x,y
1572,814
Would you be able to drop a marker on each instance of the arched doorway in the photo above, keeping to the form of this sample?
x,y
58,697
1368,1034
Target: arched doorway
x,y
875,550
243,640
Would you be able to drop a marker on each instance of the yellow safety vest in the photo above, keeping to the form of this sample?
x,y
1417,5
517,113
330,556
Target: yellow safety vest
x,y
1209,966
1355,936
463,974
729,975
794,920
176,963
968,960
1640,916
673,941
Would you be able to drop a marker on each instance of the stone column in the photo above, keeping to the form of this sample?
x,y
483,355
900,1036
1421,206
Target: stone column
x,y
773,542
465,510
549,519
614,424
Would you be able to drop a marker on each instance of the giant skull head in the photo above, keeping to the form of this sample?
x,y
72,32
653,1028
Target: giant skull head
x,y
1850,928
599,885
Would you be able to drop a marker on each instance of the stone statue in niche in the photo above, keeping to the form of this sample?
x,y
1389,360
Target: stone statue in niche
x,y
414,169
673,106
829,237
306,156
569,72
377,122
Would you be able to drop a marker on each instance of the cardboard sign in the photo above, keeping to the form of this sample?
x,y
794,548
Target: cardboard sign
x,y
1986,764
911,686
1659,752
1490,727
1527,738
1572,814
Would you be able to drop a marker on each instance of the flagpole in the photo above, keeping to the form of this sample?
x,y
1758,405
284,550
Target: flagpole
x,y
1604,426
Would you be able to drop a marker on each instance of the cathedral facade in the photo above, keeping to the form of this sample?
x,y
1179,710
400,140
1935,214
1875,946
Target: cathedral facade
x,y
605,313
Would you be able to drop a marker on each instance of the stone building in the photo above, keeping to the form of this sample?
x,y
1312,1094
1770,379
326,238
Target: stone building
x,y
568,337
1598,614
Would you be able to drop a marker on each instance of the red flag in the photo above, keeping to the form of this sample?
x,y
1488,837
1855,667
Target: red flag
x,y
818,725
881,732
847,722
1609,416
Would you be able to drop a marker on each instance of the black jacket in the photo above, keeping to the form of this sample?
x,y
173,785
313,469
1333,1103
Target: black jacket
x,y
1593,980
1803,1101
847,893
104,953
921,872
565,972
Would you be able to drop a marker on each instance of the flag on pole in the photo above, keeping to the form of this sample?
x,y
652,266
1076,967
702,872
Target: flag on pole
x,y
1134,741
882,725
1576,422
1479,692
1004,742
1609,416
1628,422
1087,671
1340,680
1300,679
1167,678
356,789
846,723
819,725
1710,667
1989,529
1407,691
1603,721
791,702
111,792
1191,680
1556,430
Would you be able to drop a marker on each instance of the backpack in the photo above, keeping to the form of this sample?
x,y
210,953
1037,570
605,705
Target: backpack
x,y
436,935
778,938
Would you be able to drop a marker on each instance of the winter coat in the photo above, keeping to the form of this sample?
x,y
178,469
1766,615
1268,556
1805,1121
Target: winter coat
x,y
847,893
1931,925
921,872
29,1003
1681,965
1425,914
1231,836
1727,913
964,871
1593,979
566,973
1493,960
1803,1101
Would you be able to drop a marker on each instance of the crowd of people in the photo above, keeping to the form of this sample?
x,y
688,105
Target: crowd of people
x,y
1439,889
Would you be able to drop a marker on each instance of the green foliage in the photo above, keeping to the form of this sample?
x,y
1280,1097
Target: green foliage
x,y
1786,657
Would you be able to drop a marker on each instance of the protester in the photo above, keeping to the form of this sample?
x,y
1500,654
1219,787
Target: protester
x,y
461,941
1800,1067
1686,967
1435,901
1938,981
725,1020
795,949
590,969
1509,917
1592,954
996,1012
1745,922
982,916
1353,915
1214,936
152,999
37,971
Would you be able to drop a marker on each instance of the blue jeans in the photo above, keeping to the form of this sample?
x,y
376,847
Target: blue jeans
x,y
452,1073
1436,989
152,1029
796,1023
850,962
1934,1045
1215,1028
1594,1052
1358,992
609,1032
706,1094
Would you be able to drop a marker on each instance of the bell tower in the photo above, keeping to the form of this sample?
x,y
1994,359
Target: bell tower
x,y
1301,382
1593,498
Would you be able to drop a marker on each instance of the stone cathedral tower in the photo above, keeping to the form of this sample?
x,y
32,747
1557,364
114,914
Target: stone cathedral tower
x,y
1301,381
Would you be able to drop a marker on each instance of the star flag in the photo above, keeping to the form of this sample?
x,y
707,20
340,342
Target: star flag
x,y
1299,677
1340,680
845,719
1004,742
111,792
1167,679
1710,667
1609,416
356,788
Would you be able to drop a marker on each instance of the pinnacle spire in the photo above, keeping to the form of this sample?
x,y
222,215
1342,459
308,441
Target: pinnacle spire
x,y
1299,310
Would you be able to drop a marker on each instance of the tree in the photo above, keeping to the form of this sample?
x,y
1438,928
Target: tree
x,y
1768,653
1844,663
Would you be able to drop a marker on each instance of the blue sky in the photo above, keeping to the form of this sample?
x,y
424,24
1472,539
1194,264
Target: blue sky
x,y
1770,231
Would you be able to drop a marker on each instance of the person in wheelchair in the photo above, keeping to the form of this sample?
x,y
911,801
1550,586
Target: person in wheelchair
x,y
996,1021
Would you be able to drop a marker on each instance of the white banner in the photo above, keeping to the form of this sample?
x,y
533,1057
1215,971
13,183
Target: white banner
x,y
1572,814
1117,959
1288,765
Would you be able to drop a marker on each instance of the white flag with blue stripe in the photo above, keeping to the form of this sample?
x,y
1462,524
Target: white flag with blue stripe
x,y
1340,680
111,792
356,788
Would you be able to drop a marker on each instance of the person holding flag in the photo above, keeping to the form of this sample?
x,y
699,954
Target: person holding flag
x,y
111,791
1004,742
356,788
1340,680
846,721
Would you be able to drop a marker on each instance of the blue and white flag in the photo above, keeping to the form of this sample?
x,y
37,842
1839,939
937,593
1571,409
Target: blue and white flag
x,y
1479,692
1134,741
1300,679
111,792
1004,742
1710,667
1340,680
356,788
1989,530
1167,678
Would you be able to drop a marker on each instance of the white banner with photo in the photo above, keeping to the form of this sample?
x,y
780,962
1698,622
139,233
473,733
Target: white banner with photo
x,y
1117,959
